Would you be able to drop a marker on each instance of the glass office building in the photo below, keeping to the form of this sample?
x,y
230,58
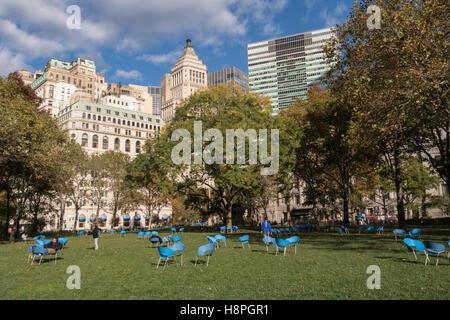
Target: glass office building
x,y
155,92
229,74
285,68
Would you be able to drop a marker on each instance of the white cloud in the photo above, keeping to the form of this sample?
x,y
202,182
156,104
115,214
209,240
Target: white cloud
x,y
37,28
133,74
10,62
335,16
170,57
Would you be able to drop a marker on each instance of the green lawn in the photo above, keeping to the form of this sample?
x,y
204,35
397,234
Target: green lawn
x,y
327,266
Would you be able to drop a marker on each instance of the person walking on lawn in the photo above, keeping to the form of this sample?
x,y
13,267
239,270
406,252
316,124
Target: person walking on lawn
x,y
95,235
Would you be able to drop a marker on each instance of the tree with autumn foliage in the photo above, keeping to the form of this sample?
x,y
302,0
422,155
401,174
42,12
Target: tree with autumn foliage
x,y
396,80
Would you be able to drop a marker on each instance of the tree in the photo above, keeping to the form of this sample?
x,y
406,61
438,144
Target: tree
x,y
333,160
30,142
208,116
116,171
98,182
395,78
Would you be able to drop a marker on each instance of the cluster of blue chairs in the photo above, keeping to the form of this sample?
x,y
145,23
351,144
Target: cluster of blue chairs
x,y
38,251
229,229
281,244
429,248
111,231
413,233
173,251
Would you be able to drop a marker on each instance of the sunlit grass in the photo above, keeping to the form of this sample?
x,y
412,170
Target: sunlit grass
x,y
327,266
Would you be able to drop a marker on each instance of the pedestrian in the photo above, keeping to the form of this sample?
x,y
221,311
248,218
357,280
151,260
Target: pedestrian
x,y
265,227
95,235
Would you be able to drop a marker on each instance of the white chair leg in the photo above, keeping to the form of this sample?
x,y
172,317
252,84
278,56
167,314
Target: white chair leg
x,y
207,262
158,263
196,261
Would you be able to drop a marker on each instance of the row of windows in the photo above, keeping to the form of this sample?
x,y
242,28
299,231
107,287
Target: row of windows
x,y
119,121
118,113
105,143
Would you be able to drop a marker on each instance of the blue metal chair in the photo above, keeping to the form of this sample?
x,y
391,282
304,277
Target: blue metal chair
x,y
282,244
178,249
206,250
380,230
181,230
165,254
415,232
269,241
147,234
213,241
343,230
39,252
293,242
236,229
415,246
176,239
122,233
399,232
173,230
141,235
244,240
371,228
229,229
155,233
222,229
63,241
221,239
81,233
433,249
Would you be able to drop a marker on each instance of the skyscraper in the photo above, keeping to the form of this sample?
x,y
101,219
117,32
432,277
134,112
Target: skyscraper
x,y
155,92
187,76
227,75
285,68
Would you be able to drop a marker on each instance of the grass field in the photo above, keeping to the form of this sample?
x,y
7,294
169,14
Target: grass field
x,y
327,266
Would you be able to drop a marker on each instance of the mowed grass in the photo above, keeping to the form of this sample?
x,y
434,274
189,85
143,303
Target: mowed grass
x,y
326,266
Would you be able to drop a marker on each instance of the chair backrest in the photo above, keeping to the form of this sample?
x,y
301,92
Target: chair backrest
x,y
434,246
141,234
211,239
206,250
220,237
235,228
165,252
173,229
177,238
294,239
177,247
40,243
244,238
222,228
380,228
415,231
147,233
154,232
370,228
399,231
414,244
409,243
283,242
62,240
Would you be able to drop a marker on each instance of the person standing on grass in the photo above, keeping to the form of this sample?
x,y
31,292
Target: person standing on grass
x,y
265,227
95,235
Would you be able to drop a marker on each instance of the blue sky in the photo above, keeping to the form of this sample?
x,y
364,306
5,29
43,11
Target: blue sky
x,y
138,41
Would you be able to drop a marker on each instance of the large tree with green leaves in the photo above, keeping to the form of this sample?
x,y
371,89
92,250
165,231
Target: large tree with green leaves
x,y
214,171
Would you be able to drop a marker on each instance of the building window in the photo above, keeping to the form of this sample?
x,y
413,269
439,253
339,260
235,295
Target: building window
x,y
84,140
95,142
127,145
117,144
105,143
138,147
83,115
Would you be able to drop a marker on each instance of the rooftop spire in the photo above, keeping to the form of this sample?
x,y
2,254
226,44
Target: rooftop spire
x,y
188,43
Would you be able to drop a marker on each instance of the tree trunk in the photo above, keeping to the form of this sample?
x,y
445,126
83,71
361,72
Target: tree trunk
x,y
346,200
76,218
62,210
229,210
399,192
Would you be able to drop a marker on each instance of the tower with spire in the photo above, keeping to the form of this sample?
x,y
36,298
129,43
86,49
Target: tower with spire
x,y
187,76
